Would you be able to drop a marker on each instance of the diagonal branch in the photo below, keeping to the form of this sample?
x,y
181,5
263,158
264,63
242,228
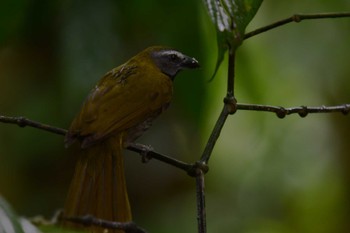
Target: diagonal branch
x,y
214,135
147,152
23,122
229,108
296,18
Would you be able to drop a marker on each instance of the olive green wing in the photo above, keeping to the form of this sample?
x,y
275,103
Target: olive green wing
x,y
123,98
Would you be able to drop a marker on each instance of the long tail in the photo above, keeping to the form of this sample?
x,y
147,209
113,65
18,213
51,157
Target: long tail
x,y
98,187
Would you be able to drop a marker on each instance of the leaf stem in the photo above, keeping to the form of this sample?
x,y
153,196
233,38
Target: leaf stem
x,y
231,74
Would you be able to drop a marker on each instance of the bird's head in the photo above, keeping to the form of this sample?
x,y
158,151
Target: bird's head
x,y
171,61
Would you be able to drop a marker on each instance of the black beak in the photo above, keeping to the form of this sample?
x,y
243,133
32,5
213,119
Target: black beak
x,y
189,63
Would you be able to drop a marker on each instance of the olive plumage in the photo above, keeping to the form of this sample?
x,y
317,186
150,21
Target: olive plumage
x,y
117,111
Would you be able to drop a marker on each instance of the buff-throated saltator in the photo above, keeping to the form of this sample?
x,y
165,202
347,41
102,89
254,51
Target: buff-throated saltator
x,y
117,111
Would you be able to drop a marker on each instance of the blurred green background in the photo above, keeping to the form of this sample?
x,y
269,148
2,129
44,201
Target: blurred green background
x,y
266,174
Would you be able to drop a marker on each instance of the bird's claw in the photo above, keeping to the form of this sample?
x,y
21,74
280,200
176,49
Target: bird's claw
x,y
145,155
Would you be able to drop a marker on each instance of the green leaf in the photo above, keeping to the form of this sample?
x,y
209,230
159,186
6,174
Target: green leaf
x,y
8,219
231,18
11,223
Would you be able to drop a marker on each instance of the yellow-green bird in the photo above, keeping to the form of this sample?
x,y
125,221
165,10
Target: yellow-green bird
x,y
117,111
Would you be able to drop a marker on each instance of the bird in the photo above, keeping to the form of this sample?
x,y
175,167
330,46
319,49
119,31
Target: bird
x,y
120,107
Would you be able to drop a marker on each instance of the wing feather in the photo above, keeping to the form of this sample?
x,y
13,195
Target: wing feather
x,y
124,98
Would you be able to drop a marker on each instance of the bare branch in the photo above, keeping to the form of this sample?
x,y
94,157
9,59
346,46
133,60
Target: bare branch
x,y
201,213
229,108
128,227
303,111
146,151
23,122
296,18
214,135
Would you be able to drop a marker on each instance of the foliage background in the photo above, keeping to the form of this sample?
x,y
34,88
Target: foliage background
x,y
266,174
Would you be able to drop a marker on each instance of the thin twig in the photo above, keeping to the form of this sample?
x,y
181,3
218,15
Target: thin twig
x,y
296,18
214,135
200,193
23,122
303,111
127,227
161,157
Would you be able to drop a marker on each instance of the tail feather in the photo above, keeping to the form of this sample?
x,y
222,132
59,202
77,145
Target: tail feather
x,y
98,187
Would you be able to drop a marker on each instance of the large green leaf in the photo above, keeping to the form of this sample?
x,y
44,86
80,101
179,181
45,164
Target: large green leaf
x,y
11,223
231,18
8,219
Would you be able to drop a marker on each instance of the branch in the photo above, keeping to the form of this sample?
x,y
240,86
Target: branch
x,y
23,122
201,213
296,18
214,135
229,108
128,227
146,151
303,111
